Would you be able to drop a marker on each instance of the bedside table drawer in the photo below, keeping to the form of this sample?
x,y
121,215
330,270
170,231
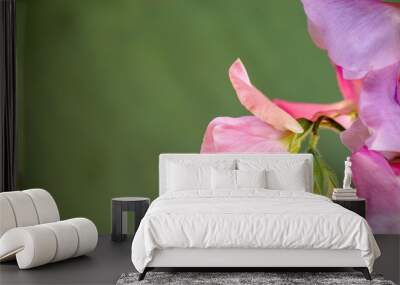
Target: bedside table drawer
x,y
356,206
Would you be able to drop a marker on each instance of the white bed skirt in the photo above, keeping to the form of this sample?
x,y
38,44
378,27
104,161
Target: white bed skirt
x,y
190,257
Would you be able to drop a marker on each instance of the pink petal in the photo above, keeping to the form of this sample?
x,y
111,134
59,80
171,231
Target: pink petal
x,y
345,120
380,111
396,168
243,134
350,88
358,35
312,111
355,136
208,145
257,103
378,183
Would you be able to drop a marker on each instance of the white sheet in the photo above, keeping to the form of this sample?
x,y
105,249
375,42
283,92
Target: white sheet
x,y
250,218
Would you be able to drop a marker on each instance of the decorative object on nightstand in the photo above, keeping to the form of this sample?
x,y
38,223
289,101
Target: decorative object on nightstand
x,y
347,174
345,193
347,196
120,207
355,205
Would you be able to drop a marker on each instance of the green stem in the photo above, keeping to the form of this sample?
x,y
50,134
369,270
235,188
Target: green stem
x,y
324,177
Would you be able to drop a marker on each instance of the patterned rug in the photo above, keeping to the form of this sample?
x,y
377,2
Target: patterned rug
x,y
269,278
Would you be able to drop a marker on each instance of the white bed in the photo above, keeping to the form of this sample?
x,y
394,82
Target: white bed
x,y
249,227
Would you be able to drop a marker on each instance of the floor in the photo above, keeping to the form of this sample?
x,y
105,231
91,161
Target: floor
x,y
103,266
389,262
110,260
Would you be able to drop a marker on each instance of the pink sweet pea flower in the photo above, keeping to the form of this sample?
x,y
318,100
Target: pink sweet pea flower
x,y
377,126
340,111
359,36
350,88
266,131
378,182
362,38
273,121
259,104
243,134
355,136
375,177
380,110
283,114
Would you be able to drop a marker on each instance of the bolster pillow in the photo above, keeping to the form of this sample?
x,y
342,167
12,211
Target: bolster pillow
x,y
40,244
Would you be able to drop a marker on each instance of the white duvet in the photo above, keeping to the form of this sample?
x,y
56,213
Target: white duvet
x,y
250,219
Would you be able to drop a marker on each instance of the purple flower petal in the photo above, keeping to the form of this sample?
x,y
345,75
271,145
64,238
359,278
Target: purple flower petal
x,y
355,136
379,110
359,35
376,181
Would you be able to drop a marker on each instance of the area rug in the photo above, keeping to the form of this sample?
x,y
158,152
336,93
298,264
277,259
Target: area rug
x,y
269,278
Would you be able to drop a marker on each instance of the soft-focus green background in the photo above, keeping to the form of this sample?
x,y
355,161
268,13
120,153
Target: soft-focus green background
x,y
105,86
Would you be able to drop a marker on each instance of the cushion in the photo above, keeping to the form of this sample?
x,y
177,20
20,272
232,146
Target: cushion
x,y
26,208
31,233
40,244
251,178
46,207
7,220
236,179
223,179
32,246
66,237
23,208
282,174
182,177
189,175
87,233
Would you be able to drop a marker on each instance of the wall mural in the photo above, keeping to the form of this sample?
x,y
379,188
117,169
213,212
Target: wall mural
x,y
362,40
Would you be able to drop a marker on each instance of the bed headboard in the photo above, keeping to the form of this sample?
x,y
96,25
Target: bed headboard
x,y
196,157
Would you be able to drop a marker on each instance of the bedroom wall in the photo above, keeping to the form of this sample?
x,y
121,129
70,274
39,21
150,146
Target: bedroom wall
x,y
105,86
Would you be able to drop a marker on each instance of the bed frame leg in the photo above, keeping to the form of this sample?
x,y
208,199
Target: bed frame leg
x,y
364,271
143,274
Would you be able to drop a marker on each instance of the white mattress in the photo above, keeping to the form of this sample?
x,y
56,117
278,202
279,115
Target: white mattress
x,y
250,219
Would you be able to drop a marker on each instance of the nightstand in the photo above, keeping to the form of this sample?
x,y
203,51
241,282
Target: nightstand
x,y
120,206
357,206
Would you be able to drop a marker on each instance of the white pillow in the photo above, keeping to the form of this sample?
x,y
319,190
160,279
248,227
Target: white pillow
x,y
193,175
181,177
293,180
223,179
237,179
282,174
251,178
